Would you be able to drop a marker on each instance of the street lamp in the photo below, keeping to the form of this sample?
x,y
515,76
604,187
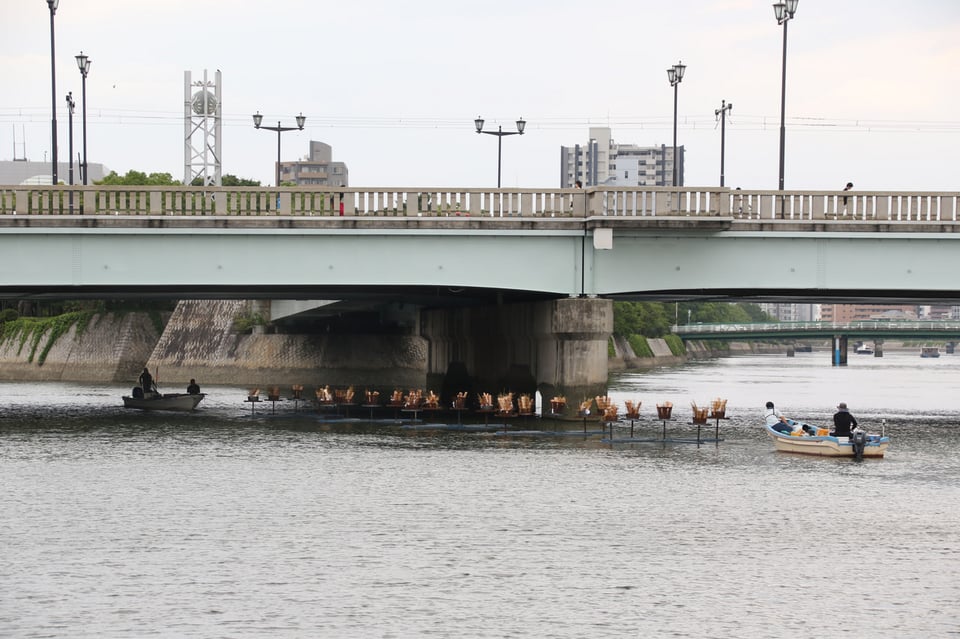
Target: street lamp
x,y
83,62
675,75
722,114
257,119
52,4
70,105
521,124
784,12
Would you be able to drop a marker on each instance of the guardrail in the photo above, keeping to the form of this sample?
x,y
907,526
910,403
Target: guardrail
x,y
736,204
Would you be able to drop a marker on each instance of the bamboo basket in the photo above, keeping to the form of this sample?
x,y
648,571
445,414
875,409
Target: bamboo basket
x,y
664,410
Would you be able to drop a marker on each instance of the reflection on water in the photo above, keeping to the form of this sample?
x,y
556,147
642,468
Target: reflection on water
x,y
228,523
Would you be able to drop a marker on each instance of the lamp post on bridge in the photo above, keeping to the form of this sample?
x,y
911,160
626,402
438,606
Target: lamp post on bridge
x,y
500,133
784,12
258,119
675,75
70,105
722,114
52,5
83,62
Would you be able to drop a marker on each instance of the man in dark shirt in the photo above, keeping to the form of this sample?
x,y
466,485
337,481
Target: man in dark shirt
x,y
146,381
843,421
193,388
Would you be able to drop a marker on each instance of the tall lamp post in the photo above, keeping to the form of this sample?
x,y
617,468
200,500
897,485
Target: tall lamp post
x,y
83,62
722,114
784,12
521,124
258,119
52,4
70,105
675,75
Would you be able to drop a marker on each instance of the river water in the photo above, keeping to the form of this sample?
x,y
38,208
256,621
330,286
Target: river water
x,y
229,523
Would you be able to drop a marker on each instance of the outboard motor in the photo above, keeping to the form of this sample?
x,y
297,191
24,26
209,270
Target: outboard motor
x,y
858,439
137,392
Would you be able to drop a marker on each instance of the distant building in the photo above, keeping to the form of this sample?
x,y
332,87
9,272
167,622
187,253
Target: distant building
x,y
843,313
791,312
14,172
602,161
317,169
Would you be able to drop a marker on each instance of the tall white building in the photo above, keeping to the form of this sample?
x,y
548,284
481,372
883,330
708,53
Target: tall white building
x,y
792,312
602,161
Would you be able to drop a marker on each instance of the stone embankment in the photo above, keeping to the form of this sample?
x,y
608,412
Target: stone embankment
x,y
108,348
200,341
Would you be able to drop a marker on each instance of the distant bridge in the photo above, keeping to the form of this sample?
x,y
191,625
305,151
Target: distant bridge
x,y
873,329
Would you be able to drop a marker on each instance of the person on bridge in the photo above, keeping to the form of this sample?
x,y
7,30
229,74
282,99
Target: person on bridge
x,y
776,420
843,421
193,388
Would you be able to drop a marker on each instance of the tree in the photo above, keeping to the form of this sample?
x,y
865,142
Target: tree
x,y
138,178
228,180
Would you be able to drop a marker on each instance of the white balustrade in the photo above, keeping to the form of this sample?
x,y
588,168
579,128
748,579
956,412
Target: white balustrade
x,y
748,206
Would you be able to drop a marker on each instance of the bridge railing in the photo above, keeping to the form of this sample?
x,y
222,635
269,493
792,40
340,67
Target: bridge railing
x,y
609,201
946,326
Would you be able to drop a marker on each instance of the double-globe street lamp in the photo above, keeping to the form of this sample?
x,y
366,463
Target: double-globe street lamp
x,y
83,62
258,119
52,4
675,75
521,124
784,12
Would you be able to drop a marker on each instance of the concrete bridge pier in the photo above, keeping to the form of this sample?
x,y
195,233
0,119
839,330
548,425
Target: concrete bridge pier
x,y
839,350
558,347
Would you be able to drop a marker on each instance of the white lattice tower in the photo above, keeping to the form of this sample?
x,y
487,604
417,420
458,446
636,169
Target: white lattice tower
x,y
201,126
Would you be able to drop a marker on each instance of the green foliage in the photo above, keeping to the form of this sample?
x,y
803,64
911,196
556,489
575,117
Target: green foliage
x,y
138,178
676,345
34,330
8,315
639,345
245,321
611,350
654,319
228,180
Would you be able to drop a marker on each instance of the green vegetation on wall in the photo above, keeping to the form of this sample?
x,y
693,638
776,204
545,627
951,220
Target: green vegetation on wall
x,y
676,345
639,345
45,329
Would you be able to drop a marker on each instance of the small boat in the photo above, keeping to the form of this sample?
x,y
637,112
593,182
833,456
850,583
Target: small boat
x,y
163,401
828,445
929,351
863,349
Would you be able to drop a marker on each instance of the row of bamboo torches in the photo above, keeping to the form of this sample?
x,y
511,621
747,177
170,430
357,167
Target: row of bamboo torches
x,y
416,399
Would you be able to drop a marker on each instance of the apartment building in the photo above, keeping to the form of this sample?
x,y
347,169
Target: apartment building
x,y
602,161
316,169
842,313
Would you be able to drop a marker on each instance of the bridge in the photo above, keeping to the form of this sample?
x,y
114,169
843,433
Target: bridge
x,y
478,244
868,329
498,277
839,333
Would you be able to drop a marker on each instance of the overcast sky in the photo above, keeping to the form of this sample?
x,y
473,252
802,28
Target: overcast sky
x,y
873,95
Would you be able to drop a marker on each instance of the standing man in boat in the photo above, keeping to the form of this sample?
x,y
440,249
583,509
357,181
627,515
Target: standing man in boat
x,y
146,381
843,421
193,388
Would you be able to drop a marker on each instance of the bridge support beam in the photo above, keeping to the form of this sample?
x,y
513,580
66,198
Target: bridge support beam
x,y
558,347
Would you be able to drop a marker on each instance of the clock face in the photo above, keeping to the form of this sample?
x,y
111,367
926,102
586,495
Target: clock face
x,y
198,103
